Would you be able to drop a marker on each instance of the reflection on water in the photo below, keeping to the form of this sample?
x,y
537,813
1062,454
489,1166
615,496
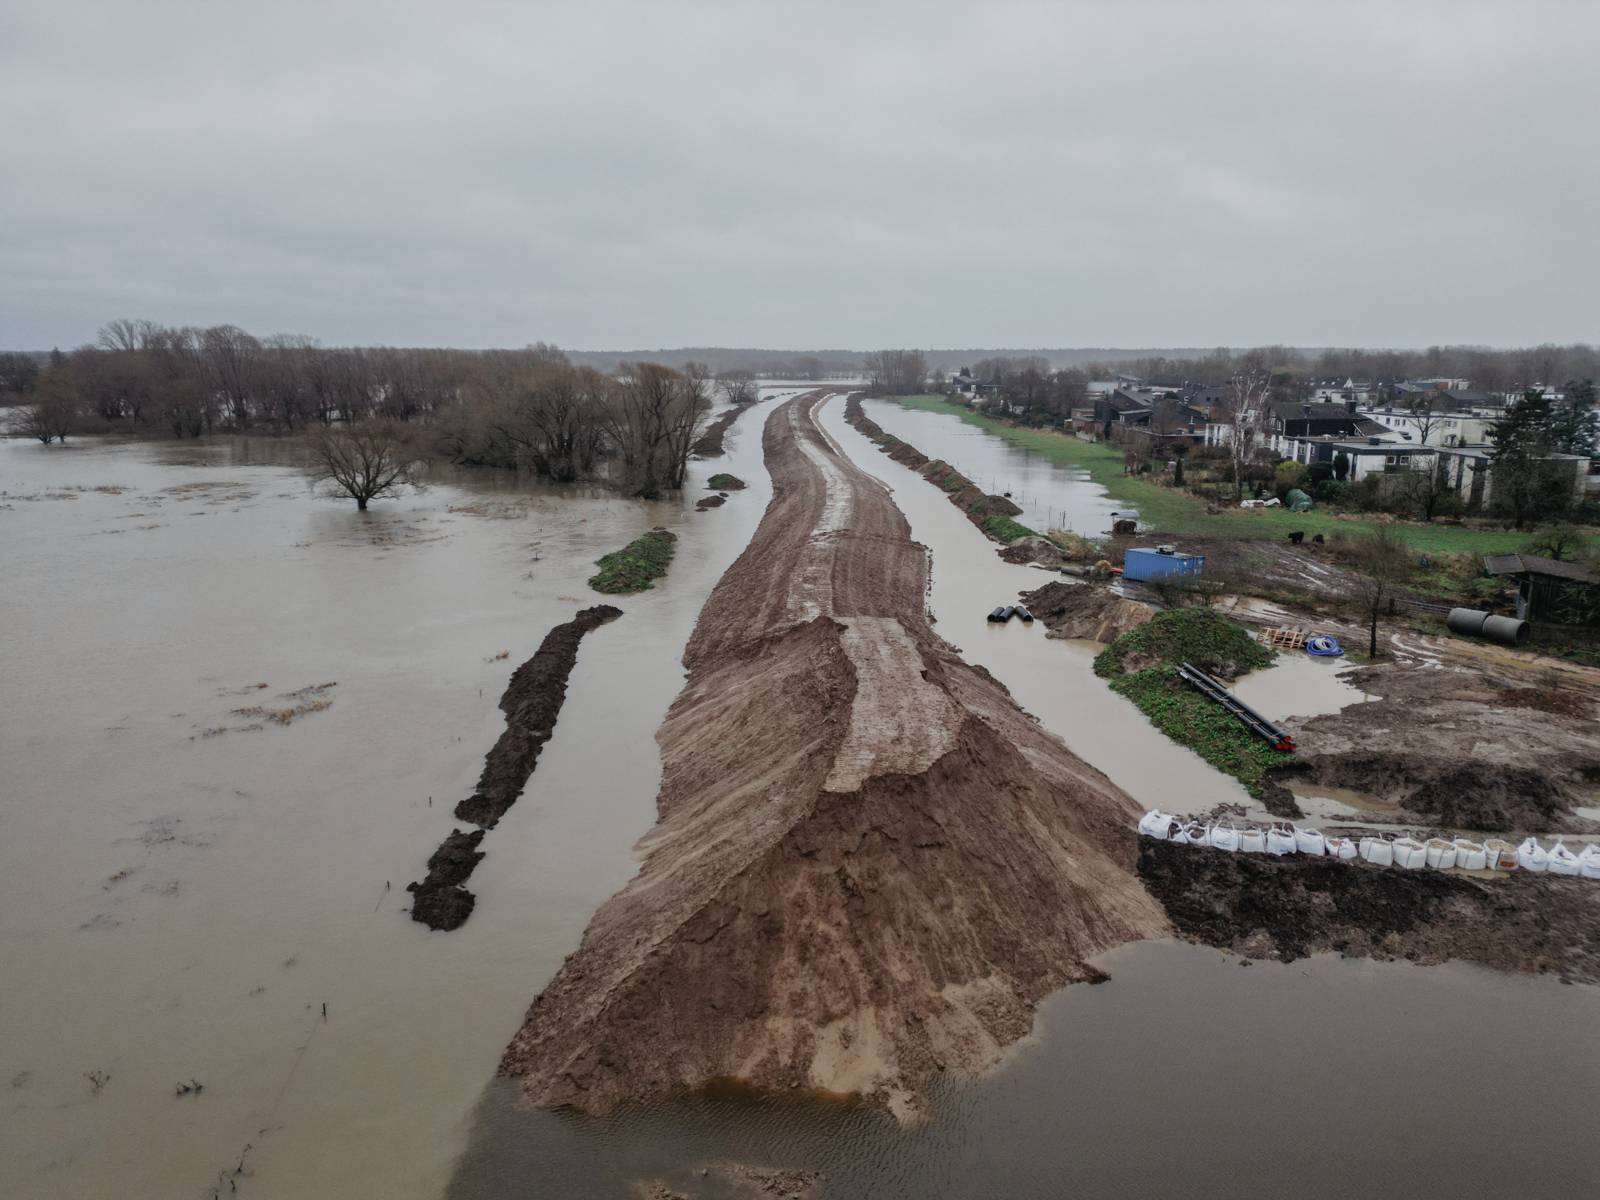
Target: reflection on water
x,y
1185,1075
1051,496
177,903
1298,684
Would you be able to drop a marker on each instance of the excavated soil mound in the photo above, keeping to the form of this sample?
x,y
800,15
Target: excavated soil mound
x,y
869,864
1081,610
709,443
439,901
1287,908
532,702
1470,750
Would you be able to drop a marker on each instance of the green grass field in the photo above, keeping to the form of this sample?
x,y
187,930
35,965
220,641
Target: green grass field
x,y
1176,511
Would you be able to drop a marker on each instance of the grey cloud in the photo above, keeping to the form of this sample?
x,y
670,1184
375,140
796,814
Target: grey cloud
x,y
804,175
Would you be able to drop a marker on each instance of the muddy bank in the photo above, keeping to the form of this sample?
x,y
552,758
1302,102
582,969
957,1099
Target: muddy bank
x,y
1085,611
532,703
1476,747
869,864
1286,908
992,514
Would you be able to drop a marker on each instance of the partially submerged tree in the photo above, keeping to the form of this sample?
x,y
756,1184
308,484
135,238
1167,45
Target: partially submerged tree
x,y
739,387
54,414
366,461
1382,561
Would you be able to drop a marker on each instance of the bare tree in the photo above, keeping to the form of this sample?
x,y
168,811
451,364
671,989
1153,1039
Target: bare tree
x,y
1245,414
55,413
653,416
1383,563
366,461
739,387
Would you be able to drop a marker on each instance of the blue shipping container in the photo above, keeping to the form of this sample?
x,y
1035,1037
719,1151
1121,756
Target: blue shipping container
x,y
1152,564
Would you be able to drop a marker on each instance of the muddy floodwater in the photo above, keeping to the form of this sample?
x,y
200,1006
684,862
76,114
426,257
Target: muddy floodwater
x,y
1050,495
235,716
185,882
1187,1074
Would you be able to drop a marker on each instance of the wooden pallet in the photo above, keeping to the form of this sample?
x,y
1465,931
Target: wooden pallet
x,y
1284,638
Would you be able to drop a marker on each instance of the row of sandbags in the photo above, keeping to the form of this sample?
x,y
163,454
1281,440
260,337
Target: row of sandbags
x,y
1439,854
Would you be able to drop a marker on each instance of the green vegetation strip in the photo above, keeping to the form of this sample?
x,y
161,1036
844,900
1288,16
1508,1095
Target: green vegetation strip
x,y
1004,529
632,568
1213,643
1208,729
1178,511
723,482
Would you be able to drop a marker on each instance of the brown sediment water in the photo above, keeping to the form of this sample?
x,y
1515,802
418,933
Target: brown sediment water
x,y
177,906
869,864
1185,1074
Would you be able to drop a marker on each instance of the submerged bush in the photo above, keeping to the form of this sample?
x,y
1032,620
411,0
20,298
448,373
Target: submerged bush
x,y
1199,635
632,568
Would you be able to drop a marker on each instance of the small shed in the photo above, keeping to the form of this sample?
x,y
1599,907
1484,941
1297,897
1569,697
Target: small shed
x,y
1157,562
1548,589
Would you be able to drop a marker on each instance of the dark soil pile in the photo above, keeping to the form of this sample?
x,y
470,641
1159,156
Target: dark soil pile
x,y
1477,750
712,502
532,702
709,443
1082,610
439,901
1287,908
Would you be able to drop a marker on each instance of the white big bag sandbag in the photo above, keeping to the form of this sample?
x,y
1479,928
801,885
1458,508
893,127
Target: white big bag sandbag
x,y
1531,856
1310,841
1281,841
1562,861
1379,851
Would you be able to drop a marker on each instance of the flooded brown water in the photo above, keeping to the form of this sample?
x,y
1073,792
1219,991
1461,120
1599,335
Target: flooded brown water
x,y
1184,1075
176,906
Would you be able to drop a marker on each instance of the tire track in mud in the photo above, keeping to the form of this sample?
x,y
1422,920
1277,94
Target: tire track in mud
x,y
869,864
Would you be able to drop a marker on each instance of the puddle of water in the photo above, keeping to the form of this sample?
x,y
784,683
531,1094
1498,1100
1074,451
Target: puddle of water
x,y
1299,685
1051,678
1184,1075
175,906
1051,496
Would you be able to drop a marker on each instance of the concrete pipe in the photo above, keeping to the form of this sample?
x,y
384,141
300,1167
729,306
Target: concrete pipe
x,y
1508,631
1472,622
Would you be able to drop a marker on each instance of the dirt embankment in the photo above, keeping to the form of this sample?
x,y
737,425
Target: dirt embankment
x,y
981,508
869,865
532,702
1082,610
709,443
1473,745
1287,908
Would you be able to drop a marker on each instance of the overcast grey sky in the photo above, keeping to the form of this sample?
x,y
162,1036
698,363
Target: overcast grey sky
x,y
804,175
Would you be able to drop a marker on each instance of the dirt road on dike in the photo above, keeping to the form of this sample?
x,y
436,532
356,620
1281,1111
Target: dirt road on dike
x,y
869,864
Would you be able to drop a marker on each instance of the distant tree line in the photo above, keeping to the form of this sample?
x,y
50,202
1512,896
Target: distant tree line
x,y
530,409
1489,370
